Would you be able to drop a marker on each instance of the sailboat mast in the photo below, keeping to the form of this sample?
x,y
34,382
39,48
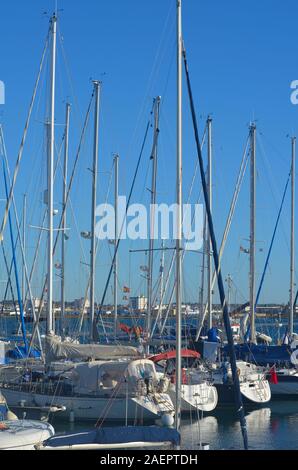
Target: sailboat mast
x,y
116,164
252,231
179,215
229,282
153,157
50,192
97,85
161,270
202,286
209,245
63,233
292,264
24,247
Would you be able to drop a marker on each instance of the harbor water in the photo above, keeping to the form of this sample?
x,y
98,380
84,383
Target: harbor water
x,y
272,427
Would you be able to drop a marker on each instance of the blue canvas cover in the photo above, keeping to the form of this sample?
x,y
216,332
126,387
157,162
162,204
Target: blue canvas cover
x,y
263,355
19,352
115,435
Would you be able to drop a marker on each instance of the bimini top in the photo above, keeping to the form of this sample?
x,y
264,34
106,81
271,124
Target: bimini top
x,y
167,356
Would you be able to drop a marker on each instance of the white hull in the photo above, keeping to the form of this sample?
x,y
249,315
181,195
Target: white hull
x,y
253,385
202,397
257,391
92,408
24,434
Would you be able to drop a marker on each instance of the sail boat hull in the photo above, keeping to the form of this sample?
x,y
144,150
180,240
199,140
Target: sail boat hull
x,y
254,387
253,393
146,408
196,397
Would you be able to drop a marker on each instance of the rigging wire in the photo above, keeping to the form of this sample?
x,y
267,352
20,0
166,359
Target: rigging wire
x,y
82,136
121,230
20,153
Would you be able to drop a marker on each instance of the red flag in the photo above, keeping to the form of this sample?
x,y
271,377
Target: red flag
x,y
273,376
124,327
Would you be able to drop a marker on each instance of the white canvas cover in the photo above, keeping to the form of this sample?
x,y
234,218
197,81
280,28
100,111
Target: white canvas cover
x,y
90,377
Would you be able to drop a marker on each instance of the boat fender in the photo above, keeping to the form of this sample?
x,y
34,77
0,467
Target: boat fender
x,y
167,419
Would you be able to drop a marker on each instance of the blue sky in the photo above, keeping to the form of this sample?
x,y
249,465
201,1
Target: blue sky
x,y
242,58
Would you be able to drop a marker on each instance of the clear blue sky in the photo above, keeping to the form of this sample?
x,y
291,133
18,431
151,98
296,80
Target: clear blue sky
x,y
242,56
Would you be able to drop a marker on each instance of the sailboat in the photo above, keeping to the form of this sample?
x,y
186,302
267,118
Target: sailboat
x,y
90,438
281,359
197,393
85,381
254,386
105,388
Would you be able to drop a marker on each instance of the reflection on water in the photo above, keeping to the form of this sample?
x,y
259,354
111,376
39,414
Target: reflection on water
x,y
272,427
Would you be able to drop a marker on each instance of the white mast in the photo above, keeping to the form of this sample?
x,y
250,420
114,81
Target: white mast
x,y
116,163
161,269
209,245
63,233
152,215
24,248
252,230
179,216
97,85
292,264
229,282
50,192
202,286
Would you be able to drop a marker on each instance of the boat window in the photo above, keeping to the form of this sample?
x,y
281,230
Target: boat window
x,y
144,370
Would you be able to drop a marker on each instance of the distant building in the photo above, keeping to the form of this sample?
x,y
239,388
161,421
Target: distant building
x,y
37,302
78,304
138,303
